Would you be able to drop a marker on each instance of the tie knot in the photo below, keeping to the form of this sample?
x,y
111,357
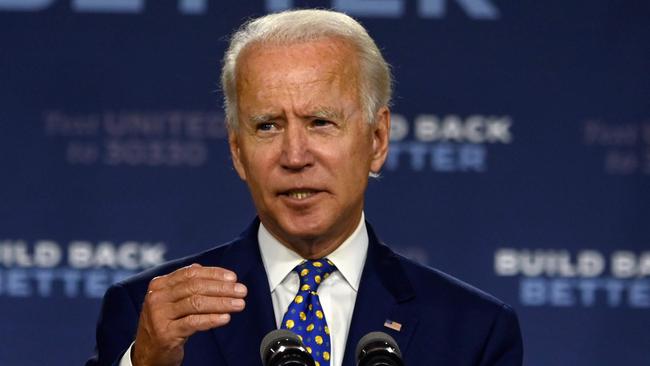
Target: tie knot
x,y
312,272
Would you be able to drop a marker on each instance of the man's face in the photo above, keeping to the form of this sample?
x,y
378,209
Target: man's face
x,y
303,145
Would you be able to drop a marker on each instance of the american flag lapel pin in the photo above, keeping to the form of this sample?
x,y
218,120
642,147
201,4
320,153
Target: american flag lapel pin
x,y
393,325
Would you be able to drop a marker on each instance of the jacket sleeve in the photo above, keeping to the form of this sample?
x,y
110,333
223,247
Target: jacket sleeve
x,y
116,327
503,346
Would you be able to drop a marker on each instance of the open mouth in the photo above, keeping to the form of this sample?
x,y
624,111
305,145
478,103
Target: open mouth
x,y
300,194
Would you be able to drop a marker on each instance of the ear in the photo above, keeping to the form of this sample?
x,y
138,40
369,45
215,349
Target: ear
x,y
235,153
380,139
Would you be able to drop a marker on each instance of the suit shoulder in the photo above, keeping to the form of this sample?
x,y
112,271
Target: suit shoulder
x,y
434,285
474,326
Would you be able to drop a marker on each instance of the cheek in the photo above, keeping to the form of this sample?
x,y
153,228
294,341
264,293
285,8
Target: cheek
x,y
361,149
259,159
350,163
259,173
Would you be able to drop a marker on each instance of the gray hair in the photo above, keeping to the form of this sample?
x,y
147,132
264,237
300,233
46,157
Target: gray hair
x,y
295,26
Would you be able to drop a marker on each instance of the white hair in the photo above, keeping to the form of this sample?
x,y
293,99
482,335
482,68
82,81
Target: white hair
x,y
296,26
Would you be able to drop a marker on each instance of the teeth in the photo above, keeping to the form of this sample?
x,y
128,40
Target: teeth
x,y
301,195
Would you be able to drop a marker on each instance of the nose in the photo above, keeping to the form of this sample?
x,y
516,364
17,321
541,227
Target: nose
x,y
296,152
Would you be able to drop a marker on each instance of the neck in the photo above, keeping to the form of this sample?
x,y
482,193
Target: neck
x,y
315,247
312,250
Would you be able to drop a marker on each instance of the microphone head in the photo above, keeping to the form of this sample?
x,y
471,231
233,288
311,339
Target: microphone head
x,y
378,349
282,347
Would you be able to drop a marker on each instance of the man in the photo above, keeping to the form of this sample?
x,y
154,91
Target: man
x,y
307,96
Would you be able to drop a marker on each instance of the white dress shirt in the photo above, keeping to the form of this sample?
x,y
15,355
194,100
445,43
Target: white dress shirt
x,y
337,293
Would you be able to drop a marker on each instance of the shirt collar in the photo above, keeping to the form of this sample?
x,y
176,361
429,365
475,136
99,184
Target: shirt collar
x,y
349,257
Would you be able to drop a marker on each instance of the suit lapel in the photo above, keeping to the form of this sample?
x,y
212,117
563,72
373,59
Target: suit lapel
x,y
239,341
383,292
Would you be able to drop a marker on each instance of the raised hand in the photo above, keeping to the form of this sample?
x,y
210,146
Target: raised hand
x,y
177,305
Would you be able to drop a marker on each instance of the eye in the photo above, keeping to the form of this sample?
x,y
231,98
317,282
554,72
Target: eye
x,y
321,122
266,126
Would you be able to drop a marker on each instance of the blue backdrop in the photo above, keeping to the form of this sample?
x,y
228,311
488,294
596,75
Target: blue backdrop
x,y
520,159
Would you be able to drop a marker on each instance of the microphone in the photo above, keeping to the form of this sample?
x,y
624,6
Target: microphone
x,y
284,348
378,349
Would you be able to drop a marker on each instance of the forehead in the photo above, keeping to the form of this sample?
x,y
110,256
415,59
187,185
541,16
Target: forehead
x,y
325,60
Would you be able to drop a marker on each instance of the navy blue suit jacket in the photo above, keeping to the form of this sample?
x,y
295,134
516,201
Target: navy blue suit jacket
x,y
444,321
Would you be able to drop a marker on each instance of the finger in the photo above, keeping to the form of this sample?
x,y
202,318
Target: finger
x,y
198,304
198,322
199,286
190,272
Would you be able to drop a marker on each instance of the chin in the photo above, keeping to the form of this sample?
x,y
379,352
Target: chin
x,y
304,228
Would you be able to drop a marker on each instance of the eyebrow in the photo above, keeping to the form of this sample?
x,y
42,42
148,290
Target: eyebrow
x,y
327,113
318,112
260,118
